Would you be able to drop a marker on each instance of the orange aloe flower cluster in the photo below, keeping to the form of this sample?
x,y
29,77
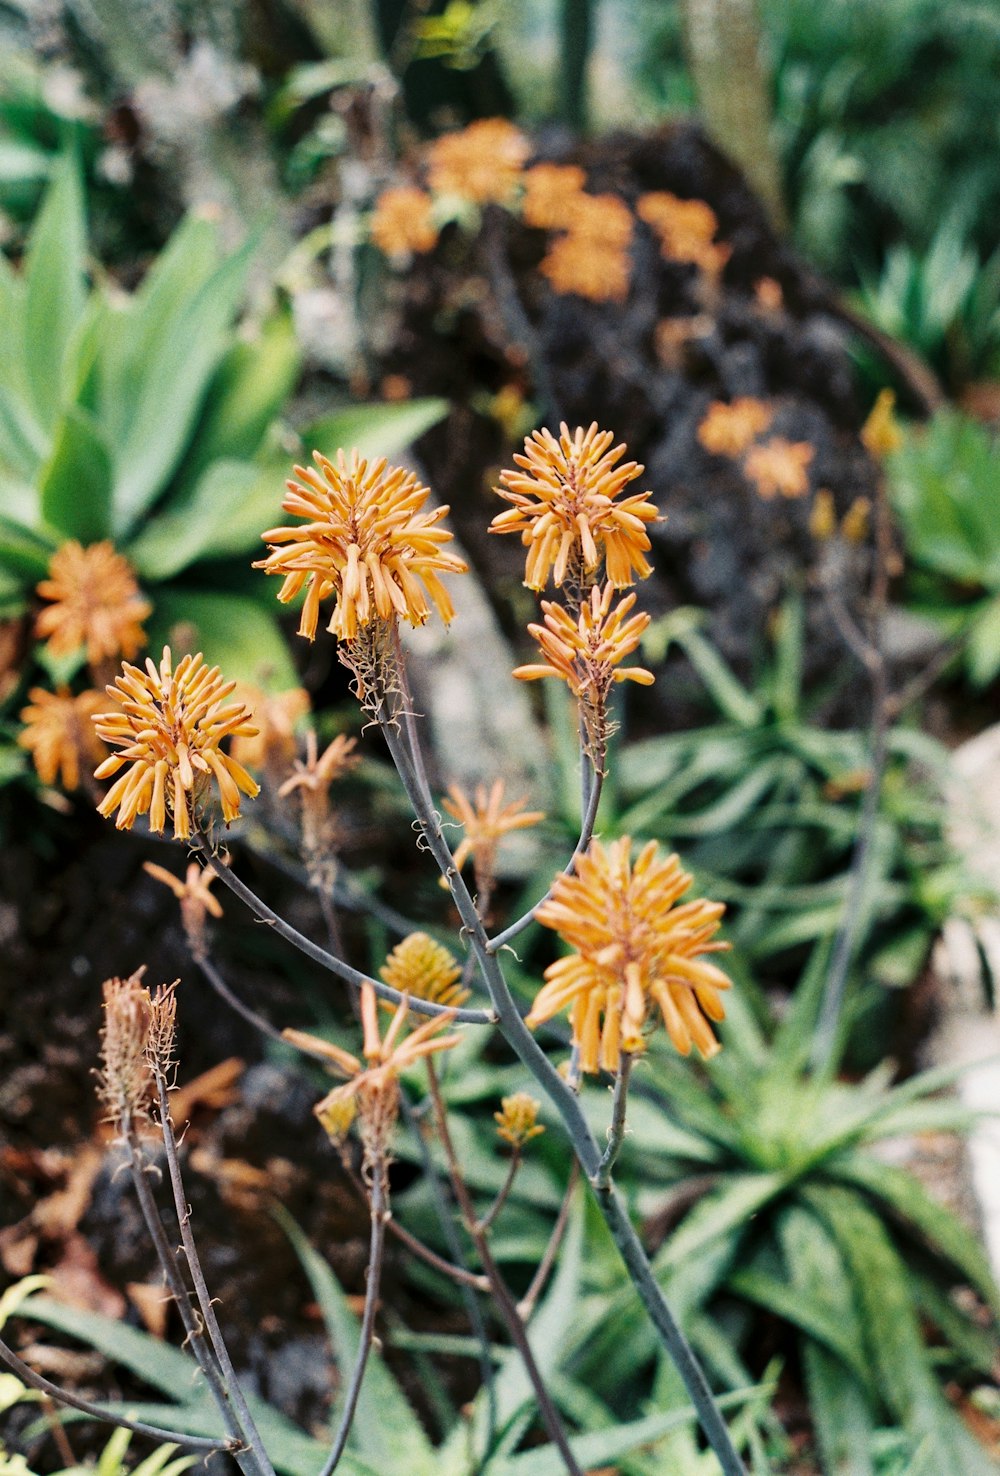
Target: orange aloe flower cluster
x,y
59,734
402,221
424,969
371,1091
635,953
276,715
169,729
590,258
482,162
686,230
563,504
366,540
94,603
550,195
776,466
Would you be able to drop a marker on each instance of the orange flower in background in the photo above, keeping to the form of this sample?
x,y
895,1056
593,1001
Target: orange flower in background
x,y
59,734
95,603
729,430
780,467
366,540
486,820
880,433
482,162
276,715
592,259
550,193
424,969
169,730
401,221
634,950
584,649
686,230
563,505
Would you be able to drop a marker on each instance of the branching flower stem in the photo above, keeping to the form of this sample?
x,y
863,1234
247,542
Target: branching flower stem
x,y
232,1383
501,1292
487,1220
564,1099
616,1131
245,1457
327,960
379,1214
34,1380
529,1301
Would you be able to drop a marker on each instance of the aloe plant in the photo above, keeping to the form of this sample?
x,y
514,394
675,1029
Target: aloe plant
x,y
150,420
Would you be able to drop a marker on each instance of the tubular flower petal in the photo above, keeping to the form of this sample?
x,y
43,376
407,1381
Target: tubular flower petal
x,y
169,729
486,820
95,603
276,716
563,505
59,734
366,541
634,950
418,966
482,162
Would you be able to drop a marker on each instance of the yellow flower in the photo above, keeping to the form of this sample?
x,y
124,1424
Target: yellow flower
x,y
550,192
880,433
584,649
59,734
486,820
729,430
592,258
563,505
401,221
517,1121
420,967
482,162
273,746
823,518
169,730
686,230
857,520
779,466
366,541
633,949
95,603
373,1089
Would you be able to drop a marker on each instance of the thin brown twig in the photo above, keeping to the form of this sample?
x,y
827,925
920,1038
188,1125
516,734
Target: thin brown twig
x,y
526,1306
505,1303
484,1224
430,1257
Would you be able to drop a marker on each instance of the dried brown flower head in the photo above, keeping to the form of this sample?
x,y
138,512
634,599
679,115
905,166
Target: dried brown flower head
x,y
195,897
373,1089
584,648
366,540
482,162
425,970
517,1121
550,193
563,505
729,430
780,467
592,259
686,230
401,221
486,820
124,1081
59,734
95,603
311,780
633,949
169,730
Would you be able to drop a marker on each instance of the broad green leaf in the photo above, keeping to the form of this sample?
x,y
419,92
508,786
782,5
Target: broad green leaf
x,y
722,1212
910,1200
205,524
232,631
984,643
23,445
785,1301
386,1433
247,394
374,430
75,483
56,291
172,388
158,1364
23,551
16,1295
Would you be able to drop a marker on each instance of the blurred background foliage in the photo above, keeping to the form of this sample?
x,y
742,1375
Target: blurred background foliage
x,y
188,302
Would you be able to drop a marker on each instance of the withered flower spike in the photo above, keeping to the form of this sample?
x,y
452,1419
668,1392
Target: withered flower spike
x,y
124,1081
169,730
635,951
95,603
563,504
